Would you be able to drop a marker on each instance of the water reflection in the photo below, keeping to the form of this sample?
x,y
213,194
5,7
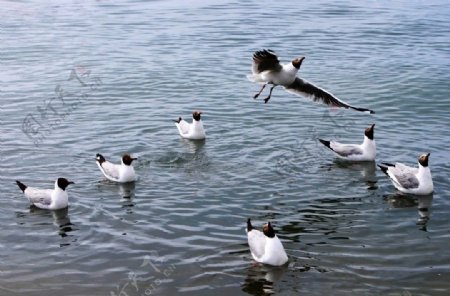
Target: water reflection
x,y
261,278
194,147
424,207
423,204
124,190
195,155
193,150
366,168
327,216
60,218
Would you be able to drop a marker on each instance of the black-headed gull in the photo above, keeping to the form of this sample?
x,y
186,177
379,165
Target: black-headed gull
x,y
354,152
267,69
121,173
48,199
265,246
192,131
408,179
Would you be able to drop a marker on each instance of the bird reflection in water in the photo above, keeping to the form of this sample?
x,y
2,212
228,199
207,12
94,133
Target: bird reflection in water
x,y
422,202
192,153
366,168
194,156
424,206
194,148
60,219
126,190
261,278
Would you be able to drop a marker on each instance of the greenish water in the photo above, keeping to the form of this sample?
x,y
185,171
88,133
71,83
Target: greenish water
x,y
116,74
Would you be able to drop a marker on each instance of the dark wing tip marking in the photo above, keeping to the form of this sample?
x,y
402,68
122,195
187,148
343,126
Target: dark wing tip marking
x,y
249,225
326,143
21,185
265,59
318,94
384,167
265,53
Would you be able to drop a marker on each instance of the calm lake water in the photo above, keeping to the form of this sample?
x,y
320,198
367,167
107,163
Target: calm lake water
x,y
86,77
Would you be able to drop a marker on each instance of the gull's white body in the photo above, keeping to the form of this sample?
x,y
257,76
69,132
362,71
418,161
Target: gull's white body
x,y
354,152
48,199
192,131
120,173
284,77
265,249
411,180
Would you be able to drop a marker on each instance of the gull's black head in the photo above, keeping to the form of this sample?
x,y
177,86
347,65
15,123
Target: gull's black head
x,y
127,159
100,158
369,131
298,62
268,230
196,115
423,159
63,183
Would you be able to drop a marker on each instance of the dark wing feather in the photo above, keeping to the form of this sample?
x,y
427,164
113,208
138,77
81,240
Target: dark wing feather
x,y
408,181
349,151
264,60
309,90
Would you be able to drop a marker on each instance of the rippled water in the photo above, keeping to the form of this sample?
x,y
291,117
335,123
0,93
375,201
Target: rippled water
x,y
124,70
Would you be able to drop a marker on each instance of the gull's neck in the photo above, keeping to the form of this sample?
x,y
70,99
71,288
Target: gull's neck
x,y
424,176
368,142
57,188
424,170
197,123
59,197
290,68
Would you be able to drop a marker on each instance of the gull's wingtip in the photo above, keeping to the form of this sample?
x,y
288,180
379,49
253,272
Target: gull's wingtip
x,y
365,110
384,167
21,185
249,225
325,142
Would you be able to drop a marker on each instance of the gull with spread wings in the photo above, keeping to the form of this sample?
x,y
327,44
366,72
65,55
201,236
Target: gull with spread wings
x,y
267,69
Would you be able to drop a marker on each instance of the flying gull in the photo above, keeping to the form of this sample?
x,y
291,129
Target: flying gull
x,y
267,69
